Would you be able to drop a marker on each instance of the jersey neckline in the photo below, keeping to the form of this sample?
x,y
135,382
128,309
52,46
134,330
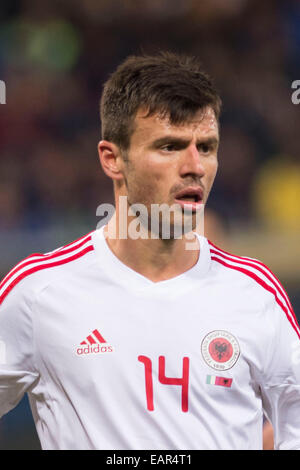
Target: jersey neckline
x,y
123,274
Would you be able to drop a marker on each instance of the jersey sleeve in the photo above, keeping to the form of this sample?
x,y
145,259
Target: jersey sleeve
x,y
280,384
17,370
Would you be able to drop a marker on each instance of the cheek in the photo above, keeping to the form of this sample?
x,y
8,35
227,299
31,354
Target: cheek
x,y
150,175
142,185
210,174
212,169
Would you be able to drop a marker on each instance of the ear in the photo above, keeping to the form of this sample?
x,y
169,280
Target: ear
x,y
110,159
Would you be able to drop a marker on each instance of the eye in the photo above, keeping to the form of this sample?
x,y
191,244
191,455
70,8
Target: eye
x,y
169,148
204,148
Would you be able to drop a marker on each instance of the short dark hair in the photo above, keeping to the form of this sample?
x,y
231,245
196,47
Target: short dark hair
x,y
172,85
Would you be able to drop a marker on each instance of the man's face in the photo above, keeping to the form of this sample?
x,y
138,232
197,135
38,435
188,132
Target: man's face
x,y
172,164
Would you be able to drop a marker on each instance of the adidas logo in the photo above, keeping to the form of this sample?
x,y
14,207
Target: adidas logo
x,y
94,344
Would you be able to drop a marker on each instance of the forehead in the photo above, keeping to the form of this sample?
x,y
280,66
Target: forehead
x,y
202,125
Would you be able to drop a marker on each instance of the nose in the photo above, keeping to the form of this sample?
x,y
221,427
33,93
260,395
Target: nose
x,y
191,164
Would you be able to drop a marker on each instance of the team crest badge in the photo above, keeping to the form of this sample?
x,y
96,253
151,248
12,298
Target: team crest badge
x,y
220,349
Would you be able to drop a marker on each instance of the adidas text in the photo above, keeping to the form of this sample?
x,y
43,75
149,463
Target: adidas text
x,y
98,349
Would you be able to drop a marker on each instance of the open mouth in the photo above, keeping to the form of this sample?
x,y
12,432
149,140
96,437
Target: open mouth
x,y
190,198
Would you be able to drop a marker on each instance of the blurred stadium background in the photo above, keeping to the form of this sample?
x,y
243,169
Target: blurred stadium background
x,y
54,58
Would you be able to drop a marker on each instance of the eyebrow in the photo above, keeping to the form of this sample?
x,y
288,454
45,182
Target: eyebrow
x,y
183,142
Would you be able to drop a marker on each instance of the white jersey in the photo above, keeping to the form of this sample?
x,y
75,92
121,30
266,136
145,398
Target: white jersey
x,y
112,360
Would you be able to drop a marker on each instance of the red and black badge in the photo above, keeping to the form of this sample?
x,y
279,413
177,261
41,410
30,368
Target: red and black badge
x,y
220,349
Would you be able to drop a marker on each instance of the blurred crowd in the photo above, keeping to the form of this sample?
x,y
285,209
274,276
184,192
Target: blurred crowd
x,y
55,56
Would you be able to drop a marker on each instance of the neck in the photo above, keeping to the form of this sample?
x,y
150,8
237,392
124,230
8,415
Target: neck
x,y
155,259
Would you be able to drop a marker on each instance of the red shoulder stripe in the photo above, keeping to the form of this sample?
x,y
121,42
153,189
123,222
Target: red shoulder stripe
x,y
43,266
256,263
39,257
86,237
258,268
290,317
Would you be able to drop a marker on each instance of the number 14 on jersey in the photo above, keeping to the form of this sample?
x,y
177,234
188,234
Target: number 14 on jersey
x,y
182,382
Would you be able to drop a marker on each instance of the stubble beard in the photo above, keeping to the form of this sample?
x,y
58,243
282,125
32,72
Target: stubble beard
x,y
168,226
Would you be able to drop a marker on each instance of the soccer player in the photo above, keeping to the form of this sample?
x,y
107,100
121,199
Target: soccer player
x,y
139,342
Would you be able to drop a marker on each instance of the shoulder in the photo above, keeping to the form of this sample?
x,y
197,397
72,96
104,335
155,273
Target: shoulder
x,y
245,267
36,270
257,278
